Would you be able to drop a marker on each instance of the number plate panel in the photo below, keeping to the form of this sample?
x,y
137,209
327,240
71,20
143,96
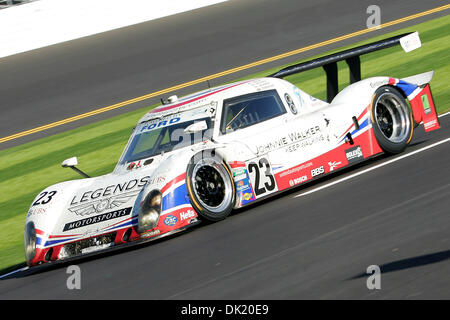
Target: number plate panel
x,y
261,177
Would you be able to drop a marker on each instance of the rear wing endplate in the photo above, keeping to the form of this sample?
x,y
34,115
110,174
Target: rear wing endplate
x,y
408,41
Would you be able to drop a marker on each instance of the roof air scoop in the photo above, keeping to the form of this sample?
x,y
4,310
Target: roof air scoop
x,y
169,100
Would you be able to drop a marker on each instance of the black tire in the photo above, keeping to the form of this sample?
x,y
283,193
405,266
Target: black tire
x,y
391,120
210,186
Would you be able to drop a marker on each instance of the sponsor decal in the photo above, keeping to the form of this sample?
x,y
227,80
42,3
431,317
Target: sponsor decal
x,y
301,135
34,211
302,139
151,233
296,169
293,141
272,145
239,173
104,204
247,196
426,104
134,165
242,184
97,219
158,124
91,196
317,171
430,124
333,165
354,154
245,193
170,220
410,42
261,84
187,215
380,83
298,180
299,95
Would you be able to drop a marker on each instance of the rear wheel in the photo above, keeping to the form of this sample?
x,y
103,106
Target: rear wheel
x,y
210,186
392,120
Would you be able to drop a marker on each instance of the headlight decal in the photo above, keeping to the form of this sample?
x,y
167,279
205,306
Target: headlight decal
x,y
30,241
149,211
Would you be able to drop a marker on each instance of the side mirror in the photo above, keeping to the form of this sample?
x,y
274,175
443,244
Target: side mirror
x,y
196,127
72,163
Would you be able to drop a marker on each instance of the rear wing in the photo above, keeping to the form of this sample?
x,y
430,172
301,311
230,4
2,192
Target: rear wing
x,y
408,41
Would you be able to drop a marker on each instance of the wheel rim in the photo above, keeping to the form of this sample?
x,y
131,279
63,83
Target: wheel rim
x,y
211,186
392,118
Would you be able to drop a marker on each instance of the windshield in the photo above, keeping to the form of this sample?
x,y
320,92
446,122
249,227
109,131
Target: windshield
x,y
154,137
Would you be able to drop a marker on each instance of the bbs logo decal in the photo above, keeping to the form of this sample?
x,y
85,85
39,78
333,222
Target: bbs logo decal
x,y
317,171
354,154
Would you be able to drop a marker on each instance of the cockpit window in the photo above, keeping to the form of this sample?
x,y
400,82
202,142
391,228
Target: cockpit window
x,y
244,111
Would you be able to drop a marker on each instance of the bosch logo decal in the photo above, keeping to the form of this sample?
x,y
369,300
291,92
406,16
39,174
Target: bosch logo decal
x,y
296,181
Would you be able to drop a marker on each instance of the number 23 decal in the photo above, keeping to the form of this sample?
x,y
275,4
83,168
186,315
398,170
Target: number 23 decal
x,y
44,198
262,177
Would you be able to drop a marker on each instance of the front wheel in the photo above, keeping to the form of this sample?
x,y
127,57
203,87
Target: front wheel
x,y
391,119
210,186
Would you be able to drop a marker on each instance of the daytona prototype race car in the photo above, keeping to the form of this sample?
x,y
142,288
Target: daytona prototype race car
x,y
199,157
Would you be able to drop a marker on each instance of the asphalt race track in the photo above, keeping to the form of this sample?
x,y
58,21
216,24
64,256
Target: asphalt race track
x,y
313,246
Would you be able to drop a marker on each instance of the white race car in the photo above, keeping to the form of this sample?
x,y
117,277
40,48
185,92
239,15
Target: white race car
x,y
201,156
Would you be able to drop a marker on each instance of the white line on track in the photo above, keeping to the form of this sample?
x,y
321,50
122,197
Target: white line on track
x,y
12,272
373,168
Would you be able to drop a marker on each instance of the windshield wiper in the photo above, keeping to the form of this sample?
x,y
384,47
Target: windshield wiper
x,y
227,127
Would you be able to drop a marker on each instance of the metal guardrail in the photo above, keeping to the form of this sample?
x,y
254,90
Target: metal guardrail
x,y
9,3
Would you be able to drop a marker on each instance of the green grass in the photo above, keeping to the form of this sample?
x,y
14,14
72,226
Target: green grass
x,y
28,168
